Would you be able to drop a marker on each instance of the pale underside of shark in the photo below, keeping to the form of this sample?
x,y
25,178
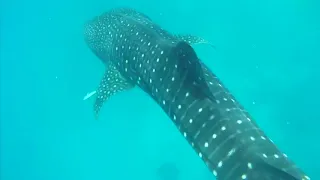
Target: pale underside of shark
x,y
138,52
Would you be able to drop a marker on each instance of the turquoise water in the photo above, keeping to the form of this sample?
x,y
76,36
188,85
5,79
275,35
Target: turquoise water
x,y
267,54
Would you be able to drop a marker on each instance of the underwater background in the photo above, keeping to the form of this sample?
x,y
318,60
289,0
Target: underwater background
x,y
268,56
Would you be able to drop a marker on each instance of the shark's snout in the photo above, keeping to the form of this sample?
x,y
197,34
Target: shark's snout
x,y
89,32
96,35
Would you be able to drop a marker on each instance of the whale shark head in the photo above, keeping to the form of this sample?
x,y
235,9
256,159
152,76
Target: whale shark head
x,y
98,36
114,29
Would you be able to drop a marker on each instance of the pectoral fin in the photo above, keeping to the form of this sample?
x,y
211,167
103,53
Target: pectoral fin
x,y
112,83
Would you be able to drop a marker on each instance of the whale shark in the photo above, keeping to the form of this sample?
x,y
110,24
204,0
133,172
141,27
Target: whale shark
x,y
137,52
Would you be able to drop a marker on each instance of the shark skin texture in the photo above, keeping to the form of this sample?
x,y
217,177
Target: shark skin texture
x,y
139,53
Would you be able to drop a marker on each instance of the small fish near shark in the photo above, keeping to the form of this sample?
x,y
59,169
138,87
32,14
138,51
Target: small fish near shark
x,y
139,53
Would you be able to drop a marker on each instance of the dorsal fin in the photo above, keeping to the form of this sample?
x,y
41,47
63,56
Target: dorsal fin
x,y
266,169
189,66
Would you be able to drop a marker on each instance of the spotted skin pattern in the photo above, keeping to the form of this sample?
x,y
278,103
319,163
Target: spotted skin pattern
x,y
138,52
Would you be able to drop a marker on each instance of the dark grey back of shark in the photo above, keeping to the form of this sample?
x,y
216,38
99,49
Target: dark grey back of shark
x,y
136,51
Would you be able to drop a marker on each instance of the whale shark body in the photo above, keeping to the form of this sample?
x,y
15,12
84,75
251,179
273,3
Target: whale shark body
x,y
138,52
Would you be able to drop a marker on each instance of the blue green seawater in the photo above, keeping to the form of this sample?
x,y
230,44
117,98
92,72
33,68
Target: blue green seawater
x,y
267,55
